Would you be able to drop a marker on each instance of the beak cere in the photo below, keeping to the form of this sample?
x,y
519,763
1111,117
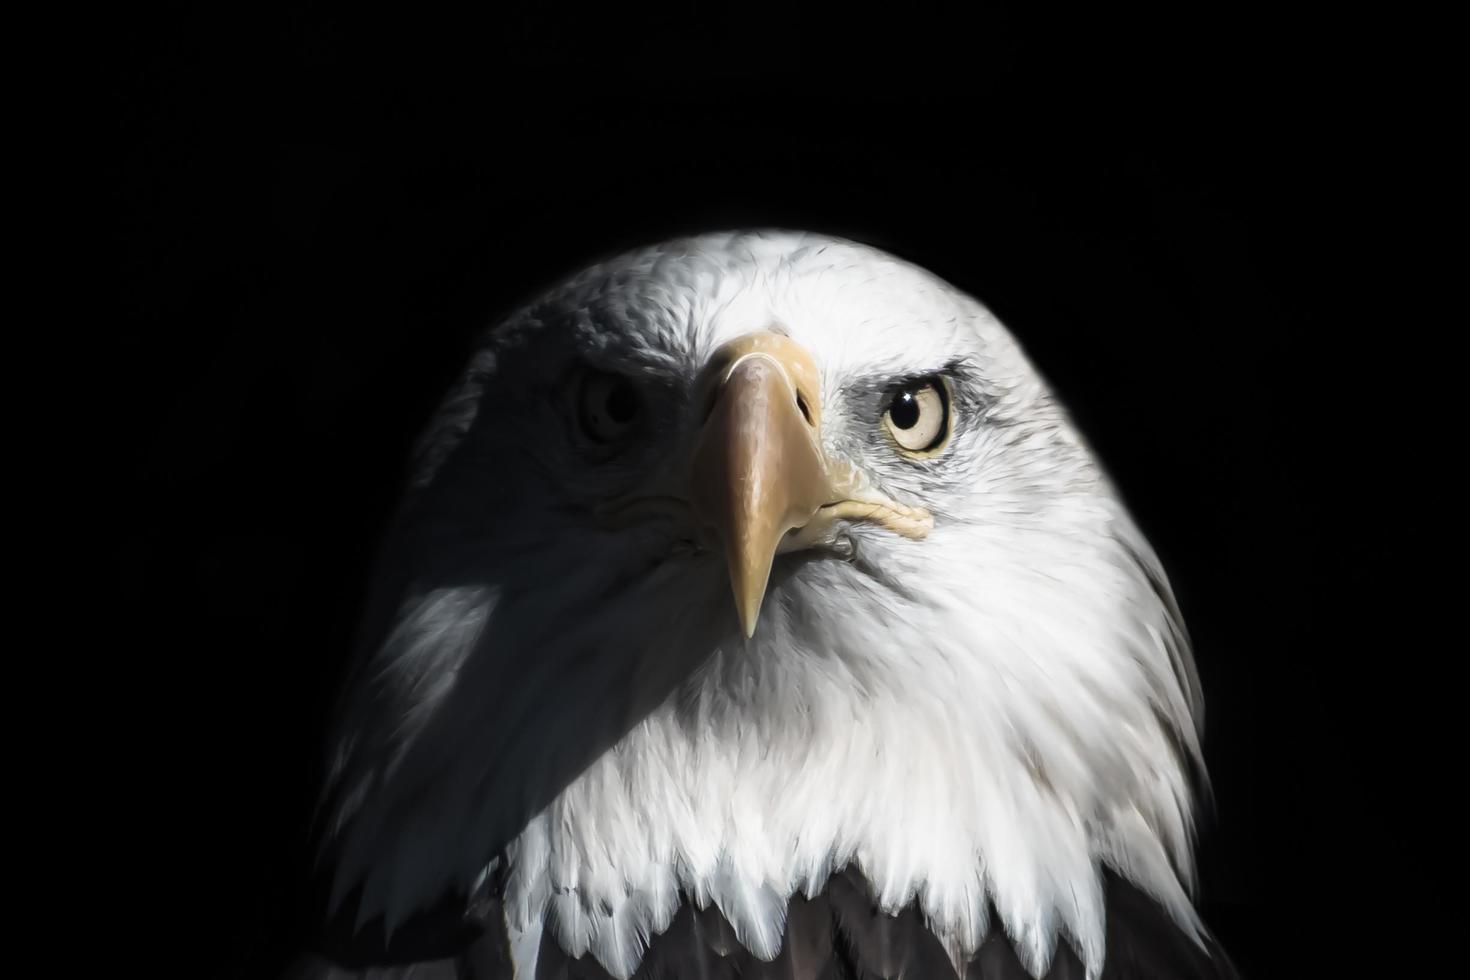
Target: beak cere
x,y
759,470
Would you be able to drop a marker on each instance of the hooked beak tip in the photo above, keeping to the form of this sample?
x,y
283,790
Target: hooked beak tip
x,y
750,575
748,620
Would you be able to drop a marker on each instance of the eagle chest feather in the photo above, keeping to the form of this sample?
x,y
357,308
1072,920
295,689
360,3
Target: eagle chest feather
x,y
840,934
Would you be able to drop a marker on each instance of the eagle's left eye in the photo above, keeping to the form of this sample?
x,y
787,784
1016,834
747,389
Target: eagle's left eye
x,y
608,406
917,417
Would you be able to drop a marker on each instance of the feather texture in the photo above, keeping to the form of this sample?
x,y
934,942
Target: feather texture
x,y
840,934
974,724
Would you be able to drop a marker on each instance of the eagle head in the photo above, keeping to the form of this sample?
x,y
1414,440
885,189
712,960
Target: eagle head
x,y
739,560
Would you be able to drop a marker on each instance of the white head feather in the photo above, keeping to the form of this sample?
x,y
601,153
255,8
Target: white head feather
x,y
986,715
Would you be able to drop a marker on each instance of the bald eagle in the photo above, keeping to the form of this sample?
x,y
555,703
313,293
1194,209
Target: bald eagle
x,y
948,726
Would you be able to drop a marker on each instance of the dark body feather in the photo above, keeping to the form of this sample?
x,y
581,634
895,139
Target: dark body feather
x,y
840,934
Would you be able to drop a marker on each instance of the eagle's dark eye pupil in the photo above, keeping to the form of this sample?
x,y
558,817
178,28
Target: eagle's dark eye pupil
x,y
905,411
622,403
608,406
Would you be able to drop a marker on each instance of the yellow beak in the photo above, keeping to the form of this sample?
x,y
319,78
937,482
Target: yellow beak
x,y
759,470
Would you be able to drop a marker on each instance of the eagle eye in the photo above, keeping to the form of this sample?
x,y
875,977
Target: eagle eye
x,y
608,406
917,417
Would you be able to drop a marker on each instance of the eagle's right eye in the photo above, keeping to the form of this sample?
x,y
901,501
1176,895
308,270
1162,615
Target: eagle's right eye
x,y
917,417
608,406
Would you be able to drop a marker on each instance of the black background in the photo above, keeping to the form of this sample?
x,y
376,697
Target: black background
x,y
319,208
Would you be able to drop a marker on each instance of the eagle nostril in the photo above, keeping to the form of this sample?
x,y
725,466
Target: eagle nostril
x,y
806,412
